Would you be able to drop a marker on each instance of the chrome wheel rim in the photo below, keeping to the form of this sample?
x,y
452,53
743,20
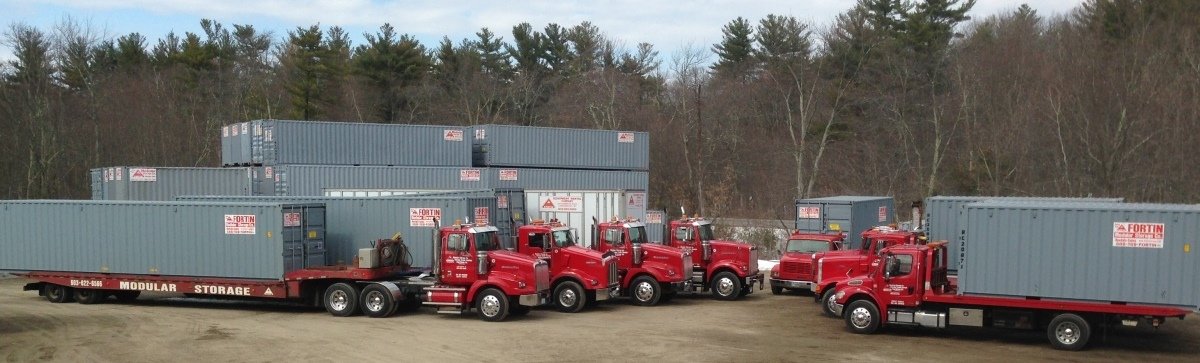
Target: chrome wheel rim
x,y
860,317
831,304
338,300
1067,333
490,305
567,297
644,291
725,286
374,301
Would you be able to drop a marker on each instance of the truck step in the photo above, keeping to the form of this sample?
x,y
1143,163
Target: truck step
x,y
449,310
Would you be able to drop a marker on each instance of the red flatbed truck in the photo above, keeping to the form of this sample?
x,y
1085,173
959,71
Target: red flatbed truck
x,y
578,276
909,286
470,271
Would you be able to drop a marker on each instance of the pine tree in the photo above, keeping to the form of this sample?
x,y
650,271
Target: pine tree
x,y
735,49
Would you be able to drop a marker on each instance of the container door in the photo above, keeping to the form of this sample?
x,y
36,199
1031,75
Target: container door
x,y
510,214
809,217
314,236
293,240
841,215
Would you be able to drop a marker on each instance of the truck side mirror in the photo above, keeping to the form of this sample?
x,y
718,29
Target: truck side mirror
x,y
888,265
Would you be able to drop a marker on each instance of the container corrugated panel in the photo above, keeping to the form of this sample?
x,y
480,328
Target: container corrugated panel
x,y
943,213
159,238
316,180
1113,252
852,214
151,183
226,146
97,178
563,179
354,223
343,143
656,225
546,147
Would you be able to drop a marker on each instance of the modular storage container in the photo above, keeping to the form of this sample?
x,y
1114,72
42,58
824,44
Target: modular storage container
x,y
547,147
330,180
150,183
852,214
342,143
1122,253
943,213
235,144
577,209
227,240
355,223
656,223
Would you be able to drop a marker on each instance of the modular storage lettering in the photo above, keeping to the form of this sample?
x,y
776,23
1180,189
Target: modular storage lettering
x,y
1126,253
162,184
356,223
225,240
547,147
944,213
852,214
340,143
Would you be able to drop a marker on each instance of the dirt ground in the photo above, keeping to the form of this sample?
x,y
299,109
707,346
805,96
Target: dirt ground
x,y
761,328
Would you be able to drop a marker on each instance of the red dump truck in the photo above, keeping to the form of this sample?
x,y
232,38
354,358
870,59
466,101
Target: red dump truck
x,y
729,269
908,285
578,276
650,273
470,272
796,269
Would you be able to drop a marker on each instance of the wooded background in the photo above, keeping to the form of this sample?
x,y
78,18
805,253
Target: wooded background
x,y
903,98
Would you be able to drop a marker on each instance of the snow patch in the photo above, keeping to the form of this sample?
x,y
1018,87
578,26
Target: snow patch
x,y
766,265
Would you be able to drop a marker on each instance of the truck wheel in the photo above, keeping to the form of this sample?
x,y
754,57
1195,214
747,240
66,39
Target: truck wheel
x,y
88,296
341,299
127,296
1068,332
377,301
645,291
569,297
57,293
828,303
776,290
492,305
862,317
726,286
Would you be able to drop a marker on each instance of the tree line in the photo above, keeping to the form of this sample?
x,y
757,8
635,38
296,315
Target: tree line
x,y
895,97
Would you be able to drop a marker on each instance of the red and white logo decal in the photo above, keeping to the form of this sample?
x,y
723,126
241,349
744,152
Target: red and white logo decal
x,y
482,215
469,175
883,214
809,212
561,203
239,224
508,174
625,137
291,219
654,217
452,135
1139,235
143,174
501,201
423,217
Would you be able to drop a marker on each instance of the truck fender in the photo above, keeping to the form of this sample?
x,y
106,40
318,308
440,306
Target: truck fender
x,y
571,275
397,294
852,293
658,271
714,269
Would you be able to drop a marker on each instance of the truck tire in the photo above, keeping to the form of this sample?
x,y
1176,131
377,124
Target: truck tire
x,y
57,293
492,305
377,301
726,286
88,296
569,297
827,303
776,290
1068,332
862,317
126,296
341,299
645,291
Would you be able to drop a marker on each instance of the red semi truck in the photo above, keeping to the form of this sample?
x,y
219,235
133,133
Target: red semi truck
x,y
470,271
798,259
909,286
834,267
650,273
578,276
727,268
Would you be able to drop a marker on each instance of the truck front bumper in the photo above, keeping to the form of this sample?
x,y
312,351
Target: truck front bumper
x,y
537,299
792,284
608,293
750,280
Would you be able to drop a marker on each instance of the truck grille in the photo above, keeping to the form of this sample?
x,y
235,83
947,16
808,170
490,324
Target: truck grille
x,y
687,266
614,277
542,274
804,269
753,259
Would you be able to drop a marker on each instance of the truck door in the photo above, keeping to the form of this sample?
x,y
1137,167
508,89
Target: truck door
x,y
458,259
538,243
901,279
613,239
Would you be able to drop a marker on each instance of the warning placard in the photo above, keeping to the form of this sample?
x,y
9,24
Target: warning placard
x,y
245,129
291,219
452,135
636,200
654,217
883,214
423,217
809,212
143,174
482,215
108,174
501,201
561,203
118,173
480,134
469,175
239,224
1139,235
269,172
508,174
225,131
625,137
235,130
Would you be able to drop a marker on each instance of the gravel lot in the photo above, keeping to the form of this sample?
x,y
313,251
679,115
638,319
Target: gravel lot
x,y
761,328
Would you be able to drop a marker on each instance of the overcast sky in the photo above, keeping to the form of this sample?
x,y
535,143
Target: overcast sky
x,y
669,25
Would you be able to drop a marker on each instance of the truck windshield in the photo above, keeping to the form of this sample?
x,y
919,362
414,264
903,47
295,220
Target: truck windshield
x,y
486,241
637,235
706,232
564,238
806,246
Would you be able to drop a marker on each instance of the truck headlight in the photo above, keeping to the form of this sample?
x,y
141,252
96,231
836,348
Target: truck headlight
x,y
838,295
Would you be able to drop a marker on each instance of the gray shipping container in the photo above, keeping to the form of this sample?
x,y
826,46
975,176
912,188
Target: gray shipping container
x,y
235,144
547,147
1131,253
330,180
852,214
151,183
944,213
97,177
354,223
227,240
343,143
577,208
656,221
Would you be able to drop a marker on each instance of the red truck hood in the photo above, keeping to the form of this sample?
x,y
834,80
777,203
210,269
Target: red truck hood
x,y
511,257
584,252
652,248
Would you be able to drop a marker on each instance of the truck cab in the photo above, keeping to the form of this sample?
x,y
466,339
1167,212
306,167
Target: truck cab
x,y
578,276
650,273
727,268
798,258
834,267
474,271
